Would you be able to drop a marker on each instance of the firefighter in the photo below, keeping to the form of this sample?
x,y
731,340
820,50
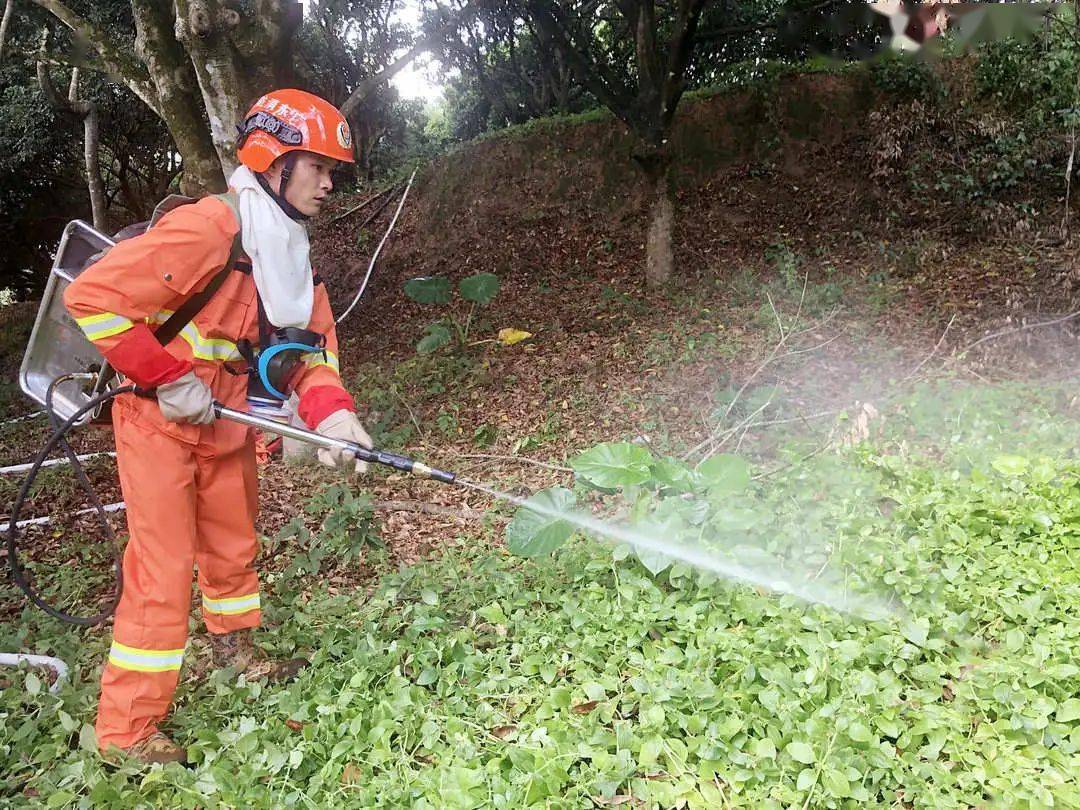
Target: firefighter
x,y
189,481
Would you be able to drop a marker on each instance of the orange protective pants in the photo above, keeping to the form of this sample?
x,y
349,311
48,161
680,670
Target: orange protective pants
x,y
188,504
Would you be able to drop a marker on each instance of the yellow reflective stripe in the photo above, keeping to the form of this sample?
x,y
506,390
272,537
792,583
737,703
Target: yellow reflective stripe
x,y
103,325
139,660
330,361
232,605
214,350
89,320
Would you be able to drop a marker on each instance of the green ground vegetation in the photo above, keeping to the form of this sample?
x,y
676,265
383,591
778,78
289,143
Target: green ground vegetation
x,y
483,679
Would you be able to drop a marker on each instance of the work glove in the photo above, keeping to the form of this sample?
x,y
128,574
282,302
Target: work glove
x,y
187,399
344,425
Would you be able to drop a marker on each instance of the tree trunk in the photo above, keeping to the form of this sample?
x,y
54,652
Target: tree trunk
x,y
238,56
1066,222
197,61
178,101
660,247
4,23
94,184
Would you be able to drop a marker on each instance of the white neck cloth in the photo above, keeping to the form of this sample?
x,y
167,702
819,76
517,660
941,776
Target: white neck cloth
x,y
278,248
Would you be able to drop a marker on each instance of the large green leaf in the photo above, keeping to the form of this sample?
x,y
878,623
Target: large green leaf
x,y
537,533
664,526
428,290
615,464
437,336
480,288
724,473
674,474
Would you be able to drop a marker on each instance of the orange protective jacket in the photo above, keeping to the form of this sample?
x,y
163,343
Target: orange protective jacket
x,y
141,281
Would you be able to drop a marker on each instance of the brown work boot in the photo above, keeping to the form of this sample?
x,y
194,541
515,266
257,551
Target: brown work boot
x,y
157,748
238,650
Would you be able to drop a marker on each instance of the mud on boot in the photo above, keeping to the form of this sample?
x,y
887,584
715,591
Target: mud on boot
x,y
155,749
237,649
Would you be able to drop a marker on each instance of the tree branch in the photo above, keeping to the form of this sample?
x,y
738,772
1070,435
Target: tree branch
x,y
681,51
368,86
364,90
73,86
115,61
554,32
87,112
1016,330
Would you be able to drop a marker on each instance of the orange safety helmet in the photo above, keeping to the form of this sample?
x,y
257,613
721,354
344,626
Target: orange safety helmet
x,y
286,121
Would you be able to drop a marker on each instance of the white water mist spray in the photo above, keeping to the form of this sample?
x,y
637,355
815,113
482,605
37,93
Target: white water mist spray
x,y
865,607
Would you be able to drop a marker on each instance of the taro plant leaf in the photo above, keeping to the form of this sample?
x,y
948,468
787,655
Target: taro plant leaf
x,y
428,290
670,473
479,289
535,534
653,559
437,336
615,464
663,526
724,474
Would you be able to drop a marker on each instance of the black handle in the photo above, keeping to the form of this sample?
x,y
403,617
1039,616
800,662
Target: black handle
x,y
404,463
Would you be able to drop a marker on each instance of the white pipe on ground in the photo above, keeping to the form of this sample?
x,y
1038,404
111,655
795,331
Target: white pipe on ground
x,y
55,664
40,521
18,468
24,418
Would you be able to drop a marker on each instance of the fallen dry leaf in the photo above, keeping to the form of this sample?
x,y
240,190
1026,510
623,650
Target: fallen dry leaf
x,y
585,708
508,337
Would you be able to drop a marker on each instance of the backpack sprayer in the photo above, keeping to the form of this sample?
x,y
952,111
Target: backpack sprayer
x,y
64,372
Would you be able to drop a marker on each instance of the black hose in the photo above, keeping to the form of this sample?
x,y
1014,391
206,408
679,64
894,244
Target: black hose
x,y
59,438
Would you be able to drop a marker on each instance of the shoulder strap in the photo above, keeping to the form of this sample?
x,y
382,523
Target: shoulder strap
x,y
192,306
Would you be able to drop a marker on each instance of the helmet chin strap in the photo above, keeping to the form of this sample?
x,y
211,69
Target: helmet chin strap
x,y
279,195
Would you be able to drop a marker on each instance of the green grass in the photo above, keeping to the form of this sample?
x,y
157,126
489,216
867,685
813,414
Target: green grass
x,y
482,680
